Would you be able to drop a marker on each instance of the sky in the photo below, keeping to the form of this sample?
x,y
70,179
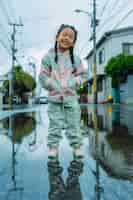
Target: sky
x,y
42,18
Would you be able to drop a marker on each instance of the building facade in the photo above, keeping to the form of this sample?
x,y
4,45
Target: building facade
x,y
110,45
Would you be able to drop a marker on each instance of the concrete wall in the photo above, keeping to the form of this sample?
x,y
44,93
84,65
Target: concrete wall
x,y
126,91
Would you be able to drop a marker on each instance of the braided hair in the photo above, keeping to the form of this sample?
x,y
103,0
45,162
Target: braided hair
x,y
63,26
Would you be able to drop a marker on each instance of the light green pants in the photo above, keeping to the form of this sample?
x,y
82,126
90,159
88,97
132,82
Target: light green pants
x,y
64,115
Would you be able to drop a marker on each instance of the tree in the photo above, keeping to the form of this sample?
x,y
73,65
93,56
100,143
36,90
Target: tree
x,y
22,82
118,68
82,91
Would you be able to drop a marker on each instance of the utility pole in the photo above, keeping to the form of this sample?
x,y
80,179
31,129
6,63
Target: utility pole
x,y
13,50
98,188
94,24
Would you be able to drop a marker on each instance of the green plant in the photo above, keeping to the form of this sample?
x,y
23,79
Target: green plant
x,y
118,68
83,89
22,81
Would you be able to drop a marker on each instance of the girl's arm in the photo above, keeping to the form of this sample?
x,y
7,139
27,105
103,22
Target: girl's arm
x,y
79,74
45,78
79,71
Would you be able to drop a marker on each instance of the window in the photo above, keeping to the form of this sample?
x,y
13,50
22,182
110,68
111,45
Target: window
x,y
101,56
100,85
127,48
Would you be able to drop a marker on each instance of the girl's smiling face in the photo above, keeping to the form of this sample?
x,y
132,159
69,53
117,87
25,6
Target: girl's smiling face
x,y
66,39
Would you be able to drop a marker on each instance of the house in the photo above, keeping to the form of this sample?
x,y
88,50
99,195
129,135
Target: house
x,y
111,44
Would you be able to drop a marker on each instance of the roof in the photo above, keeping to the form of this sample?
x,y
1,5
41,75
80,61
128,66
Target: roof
x,y
107,35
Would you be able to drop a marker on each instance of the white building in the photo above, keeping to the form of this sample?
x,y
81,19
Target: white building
x,y
110,45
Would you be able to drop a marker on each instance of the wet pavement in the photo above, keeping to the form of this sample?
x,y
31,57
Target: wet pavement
x,y
105,172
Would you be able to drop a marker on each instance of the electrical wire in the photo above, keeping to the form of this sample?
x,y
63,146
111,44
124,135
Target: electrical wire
x,y
123,18
120,21
107,20
12,10
3,30
3,8
5,47
5,12
114,5
105,7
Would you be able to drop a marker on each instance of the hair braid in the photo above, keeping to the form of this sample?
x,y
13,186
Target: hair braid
x,y
56,54
72,59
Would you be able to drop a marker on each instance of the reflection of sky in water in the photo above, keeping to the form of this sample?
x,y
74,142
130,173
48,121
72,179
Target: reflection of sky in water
x,y
29,163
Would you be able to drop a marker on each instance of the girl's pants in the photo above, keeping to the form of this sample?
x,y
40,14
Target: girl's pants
x,y
64,116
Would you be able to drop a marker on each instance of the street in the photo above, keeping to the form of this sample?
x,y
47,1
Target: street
x,y
105,172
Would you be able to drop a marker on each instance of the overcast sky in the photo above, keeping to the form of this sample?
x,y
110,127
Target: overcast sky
x,y
42,18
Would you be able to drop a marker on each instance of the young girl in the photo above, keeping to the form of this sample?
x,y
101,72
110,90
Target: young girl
x,y
60,75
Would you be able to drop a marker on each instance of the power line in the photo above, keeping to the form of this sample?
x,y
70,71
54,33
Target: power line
x,y
12,10
4,32
5,47
123,18
114,5
105,6
3,8
107,20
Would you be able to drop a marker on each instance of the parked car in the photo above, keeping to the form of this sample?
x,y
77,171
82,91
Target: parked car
x,y
41,100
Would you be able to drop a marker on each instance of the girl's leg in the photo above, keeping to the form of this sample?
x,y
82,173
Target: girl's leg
x,y
72,117
55,127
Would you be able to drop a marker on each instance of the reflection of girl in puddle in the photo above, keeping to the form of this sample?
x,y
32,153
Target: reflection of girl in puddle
x,y
58,189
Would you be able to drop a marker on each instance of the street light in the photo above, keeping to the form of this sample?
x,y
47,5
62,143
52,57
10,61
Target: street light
x,y
94,23
82,11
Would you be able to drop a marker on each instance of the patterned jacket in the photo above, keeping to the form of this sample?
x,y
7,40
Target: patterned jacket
x,y
61,80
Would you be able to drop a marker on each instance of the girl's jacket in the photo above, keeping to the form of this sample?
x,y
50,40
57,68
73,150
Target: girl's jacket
x,y
60,79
